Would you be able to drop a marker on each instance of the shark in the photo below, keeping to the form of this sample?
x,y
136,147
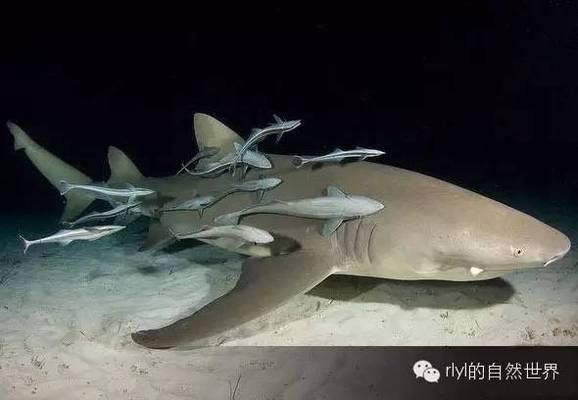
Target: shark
x,y
428,229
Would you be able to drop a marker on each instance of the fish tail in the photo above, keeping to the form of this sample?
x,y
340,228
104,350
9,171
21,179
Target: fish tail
x,y
26,243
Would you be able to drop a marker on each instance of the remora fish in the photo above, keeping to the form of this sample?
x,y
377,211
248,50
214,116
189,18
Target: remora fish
x,y
336,207
66,236
338,155
205,153
123,208
243,232
259,185
257,135
250,159
105,192
198,203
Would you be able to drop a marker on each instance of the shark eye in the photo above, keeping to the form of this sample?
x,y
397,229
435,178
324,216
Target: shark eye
x,y
518,252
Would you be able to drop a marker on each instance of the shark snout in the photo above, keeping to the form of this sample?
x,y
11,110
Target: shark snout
x,y
563,247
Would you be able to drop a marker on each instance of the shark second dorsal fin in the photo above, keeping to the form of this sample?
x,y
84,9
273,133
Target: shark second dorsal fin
x,y
122,169
210,132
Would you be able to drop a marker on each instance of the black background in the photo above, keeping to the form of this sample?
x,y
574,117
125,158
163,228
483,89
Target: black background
x,y
483,94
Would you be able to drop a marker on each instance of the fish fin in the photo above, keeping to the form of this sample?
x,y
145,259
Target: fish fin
x,y
331,226
337,149
277,119
334,191
254,131
159,236
65,242
360,148
279,136
264,285
201,210
260,194
245,170
209,132
55,170
122,169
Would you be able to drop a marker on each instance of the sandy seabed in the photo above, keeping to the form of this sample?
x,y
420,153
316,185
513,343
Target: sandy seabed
x,y
66,314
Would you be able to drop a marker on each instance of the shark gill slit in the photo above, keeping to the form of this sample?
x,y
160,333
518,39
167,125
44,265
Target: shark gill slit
x,y
371,245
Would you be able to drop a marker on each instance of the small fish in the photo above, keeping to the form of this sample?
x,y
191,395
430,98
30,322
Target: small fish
x,y
250,159
66,236
123,208
257,135
243,232
338,155
336,207
105,192
259,185
205,153
198,203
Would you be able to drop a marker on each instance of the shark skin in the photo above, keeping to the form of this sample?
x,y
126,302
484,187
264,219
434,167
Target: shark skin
x,y
429,229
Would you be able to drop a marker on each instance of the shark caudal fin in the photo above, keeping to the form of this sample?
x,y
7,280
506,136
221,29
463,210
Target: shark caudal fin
x,y
122,169
209,132
55,170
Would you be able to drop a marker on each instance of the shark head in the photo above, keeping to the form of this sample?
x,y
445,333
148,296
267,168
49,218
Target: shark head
x,y
455,234
490,237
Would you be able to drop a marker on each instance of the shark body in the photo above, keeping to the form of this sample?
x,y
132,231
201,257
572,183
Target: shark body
x,y
428,229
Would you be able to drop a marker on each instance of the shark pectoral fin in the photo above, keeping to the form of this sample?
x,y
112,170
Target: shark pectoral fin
x,y
331,226
159,237
264,285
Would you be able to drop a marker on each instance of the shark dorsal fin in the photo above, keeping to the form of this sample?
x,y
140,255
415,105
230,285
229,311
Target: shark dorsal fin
x,y
122,169
333,191
210,132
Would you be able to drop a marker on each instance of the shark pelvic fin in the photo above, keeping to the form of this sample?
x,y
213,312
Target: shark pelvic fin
x,y
55,170
122,169
210,132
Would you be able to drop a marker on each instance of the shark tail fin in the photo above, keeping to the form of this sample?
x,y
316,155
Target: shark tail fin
x,y
55,170
210,132
26,243
122,169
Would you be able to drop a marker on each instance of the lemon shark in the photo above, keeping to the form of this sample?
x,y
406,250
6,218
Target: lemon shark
x,y
428,229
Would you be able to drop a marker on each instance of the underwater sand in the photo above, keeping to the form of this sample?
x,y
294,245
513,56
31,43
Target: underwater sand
x,y
66,314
